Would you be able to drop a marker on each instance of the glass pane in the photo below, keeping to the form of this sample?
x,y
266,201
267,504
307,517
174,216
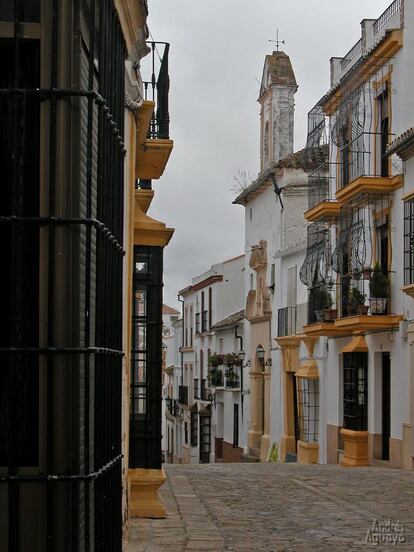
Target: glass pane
x,y
140,303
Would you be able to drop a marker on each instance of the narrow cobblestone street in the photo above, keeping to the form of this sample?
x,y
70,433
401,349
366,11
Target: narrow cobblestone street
x,y
277,507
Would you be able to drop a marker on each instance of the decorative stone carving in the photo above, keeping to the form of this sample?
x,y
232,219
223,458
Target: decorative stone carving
x,y
259,302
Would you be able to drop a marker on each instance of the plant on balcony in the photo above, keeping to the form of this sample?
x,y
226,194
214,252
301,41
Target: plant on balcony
x,y
215,375
378,291
356,302
232,379
216,360
323,302
231,359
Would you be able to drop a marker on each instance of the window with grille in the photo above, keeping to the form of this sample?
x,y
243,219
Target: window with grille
x,y
356,391
194,429
308,409
409,241
146,359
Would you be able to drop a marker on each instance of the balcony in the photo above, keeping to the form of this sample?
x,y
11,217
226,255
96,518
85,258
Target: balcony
x,y
286,321
197,322
321,312
360,173
232,378
153,146
183,395
215,376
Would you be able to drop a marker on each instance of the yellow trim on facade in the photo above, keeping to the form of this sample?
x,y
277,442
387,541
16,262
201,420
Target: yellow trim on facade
x,y
365,323
144,116
144,501
388,48
322,329
355,448
358,344
144,198
152,158
369,185
323,211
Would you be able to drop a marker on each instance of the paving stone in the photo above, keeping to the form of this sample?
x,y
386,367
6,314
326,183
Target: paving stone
x,y
280,507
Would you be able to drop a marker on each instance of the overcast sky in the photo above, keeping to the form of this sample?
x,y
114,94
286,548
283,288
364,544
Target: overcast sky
x,y
217,53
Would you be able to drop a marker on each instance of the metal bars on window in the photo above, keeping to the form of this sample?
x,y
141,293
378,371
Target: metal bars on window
x,y
356,391
64,350
409,241
146,359
308,409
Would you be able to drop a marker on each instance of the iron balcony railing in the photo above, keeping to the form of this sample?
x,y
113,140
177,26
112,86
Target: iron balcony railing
x,y
357,157
157,89
183,394
383,19
354,53
286,321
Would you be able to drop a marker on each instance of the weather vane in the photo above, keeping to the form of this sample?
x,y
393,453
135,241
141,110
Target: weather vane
x,y
277,41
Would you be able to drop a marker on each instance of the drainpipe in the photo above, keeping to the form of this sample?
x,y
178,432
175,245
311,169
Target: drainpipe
x,y
241,368
182,339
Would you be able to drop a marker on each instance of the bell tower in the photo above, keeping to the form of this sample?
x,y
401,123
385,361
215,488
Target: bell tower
x,y
276,98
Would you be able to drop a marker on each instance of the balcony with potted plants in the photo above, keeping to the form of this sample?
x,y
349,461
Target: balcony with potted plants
x,y
365,302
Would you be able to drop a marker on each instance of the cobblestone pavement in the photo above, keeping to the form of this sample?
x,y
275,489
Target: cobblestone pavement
x,y
279,507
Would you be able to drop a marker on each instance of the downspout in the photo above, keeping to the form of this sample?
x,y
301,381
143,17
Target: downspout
x,y
182,339
241,368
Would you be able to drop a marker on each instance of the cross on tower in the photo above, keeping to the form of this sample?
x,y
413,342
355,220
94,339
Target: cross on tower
x,y
277,41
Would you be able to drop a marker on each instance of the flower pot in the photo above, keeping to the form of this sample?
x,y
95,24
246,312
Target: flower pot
x,y
362,309
378,305
331,315
320,315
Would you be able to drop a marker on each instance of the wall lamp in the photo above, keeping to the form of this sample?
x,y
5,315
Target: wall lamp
x,y
242,356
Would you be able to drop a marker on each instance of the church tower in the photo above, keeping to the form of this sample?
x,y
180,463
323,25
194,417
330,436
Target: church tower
x,y
276,99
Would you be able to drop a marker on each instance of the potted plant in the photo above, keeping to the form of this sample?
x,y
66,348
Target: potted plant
x,y
323,302
216,377
378,291
231,359
215,360
356,302
232,379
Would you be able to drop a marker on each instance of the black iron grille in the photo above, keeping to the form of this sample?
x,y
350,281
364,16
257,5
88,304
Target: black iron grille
x,y
61,215
356,391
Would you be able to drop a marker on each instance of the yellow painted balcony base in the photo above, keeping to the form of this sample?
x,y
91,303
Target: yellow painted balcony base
x,y
152,158
144,501
143,198
322,328
355,448
408,290
323,211
308,453
144,115
365,323
287,445
369,185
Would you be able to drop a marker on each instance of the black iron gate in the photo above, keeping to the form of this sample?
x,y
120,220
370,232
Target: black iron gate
x,y
61,215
